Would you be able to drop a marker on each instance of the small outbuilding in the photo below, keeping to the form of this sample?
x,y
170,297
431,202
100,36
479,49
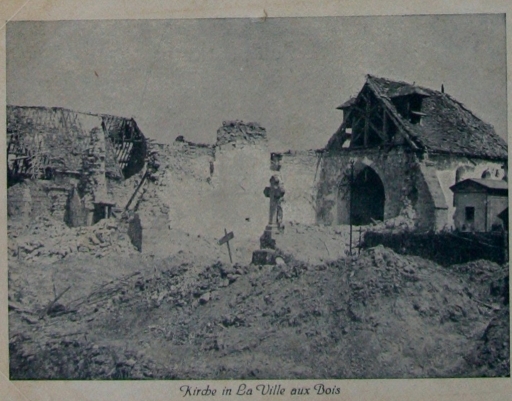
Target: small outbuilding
x,y
478,204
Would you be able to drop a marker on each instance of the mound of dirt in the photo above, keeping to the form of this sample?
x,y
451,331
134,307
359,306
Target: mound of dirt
x,y
379,315
492,354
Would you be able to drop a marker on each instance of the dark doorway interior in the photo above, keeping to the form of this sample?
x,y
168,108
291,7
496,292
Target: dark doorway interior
x,y
102,210
368,198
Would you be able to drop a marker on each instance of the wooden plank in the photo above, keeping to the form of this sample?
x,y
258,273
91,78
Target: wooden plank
x,y
127,153
356,134
47,309
408,140
136,190
341,129
120,151
227,237
119,148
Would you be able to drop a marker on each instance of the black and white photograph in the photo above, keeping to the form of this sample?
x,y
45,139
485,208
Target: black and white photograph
x,y
258,198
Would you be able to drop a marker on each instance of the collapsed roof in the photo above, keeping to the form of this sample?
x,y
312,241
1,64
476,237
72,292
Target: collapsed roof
x,y
43,140
446,125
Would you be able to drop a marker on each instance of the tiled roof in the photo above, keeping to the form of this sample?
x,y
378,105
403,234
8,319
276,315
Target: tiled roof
x,y
486,183
447,126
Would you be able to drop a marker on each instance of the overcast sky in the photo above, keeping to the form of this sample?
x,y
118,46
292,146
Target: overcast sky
x,y
184,77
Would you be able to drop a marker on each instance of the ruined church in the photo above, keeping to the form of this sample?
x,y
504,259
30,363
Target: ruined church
x,y
398,146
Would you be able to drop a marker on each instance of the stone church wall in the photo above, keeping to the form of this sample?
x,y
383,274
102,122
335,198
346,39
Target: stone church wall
x,y
424,183
394,167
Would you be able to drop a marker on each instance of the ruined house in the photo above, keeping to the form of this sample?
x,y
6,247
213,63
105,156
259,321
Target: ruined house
x,y
398,146
74,158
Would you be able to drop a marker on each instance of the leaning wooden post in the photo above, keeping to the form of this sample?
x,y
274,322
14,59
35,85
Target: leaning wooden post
x,y
229,248
137,189
225,240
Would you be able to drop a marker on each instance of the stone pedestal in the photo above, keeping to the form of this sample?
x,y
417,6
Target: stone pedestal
x,y
263,257
266,255
271,233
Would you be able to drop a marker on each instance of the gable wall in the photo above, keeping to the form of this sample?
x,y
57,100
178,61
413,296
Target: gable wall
x,y
396,169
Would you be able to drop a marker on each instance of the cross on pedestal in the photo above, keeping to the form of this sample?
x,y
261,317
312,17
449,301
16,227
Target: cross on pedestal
x,y
275,193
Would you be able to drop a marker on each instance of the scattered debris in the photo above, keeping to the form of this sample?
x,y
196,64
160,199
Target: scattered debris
x,y
377,315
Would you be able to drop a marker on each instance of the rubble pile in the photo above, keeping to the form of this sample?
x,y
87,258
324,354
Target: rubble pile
x,y
492,354
380,273
81,360
379,314
316,244
46,239
404,222
67,342
490,279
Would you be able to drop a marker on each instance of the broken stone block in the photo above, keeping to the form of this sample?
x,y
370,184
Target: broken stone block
x,y
264,257
204,298
226,270
101,236
94,239
280,261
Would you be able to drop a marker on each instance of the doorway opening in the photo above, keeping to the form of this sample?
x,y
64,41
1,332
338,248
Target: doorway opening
x,y
367,198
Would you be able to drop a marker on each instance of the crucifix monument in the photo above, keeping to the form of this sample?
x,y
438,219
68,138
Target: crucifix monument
x,y
275,193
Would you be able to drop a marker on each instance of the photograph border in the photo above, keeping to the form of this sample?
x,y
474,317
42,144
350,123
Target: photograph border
x,y
360,389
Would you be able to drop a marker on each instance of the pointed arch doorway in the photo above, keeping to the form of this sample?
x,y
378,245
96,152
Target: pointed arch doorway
x,y
368,198
362,201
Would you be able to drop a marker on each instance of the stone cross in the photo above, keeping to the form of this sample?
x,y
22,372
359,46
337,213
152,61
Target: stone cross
x,y
275,193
